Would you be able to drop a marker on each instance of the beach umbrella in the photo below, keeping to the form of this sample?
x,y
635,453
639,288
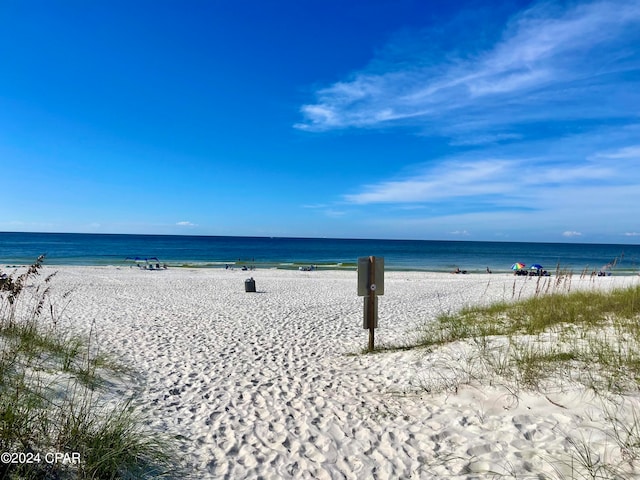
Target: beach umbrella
x,y
536,266
518,266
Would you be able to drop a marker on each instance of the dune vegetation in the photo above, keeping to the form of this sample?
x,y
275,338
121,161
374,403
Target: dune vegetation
x,y
58,419
557,340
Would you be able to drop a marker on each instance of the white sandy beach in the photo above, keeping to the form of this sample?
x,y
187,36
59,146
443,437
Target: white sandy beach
x,y
274,384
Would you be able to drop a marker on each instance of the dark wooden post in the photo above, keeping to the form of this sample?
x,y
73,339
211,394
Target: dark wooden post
x,y
372,301
370,285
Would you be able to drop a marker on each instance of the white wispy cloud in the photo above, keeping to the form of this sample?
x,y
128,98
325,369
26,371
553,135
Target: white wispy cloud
x,y
476,193
630,152
549,61
541,124
444,181
186,224
495,179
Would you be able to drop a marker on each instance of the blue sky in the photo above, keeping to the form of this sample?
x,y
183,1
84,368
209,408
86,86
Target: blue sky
x,y
471,120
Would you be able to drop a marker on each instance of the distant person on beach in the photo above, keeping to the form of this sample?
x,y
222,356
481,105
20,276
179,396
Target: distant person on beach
x,y
488,270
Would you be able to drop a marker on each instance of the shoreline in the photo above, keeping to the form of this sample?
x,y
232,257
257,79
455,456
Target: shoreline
x,y
255,266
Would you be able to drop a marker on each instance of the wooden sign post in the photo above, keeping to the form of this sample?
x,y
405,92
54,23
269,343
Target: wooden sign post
x,y
370,285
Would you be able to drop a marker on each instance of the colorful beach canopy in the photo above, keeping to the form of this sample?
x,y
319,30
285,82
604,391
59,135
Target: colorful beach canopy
x,y
518,266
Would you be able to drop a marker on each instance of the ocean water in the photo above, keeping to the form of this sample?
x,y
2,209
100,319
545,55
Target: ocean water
x,y
216,252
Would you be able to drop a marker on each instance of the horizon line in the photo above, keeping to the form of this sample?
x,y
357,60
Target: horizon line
x,y
316,238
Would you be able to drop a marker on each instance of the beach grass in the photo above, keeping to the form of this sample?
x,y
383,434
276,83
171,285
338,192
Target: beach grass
x,y
587,330
53,400
554,341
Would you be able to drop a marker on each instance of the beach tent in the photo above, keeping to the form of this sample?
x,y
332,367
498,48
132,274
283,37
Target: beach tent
x,y
142,262
142,259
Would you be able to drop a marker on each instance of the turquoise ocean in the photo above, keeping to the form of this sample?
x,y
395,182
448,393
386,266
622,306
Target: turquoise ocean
x,y
266,252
